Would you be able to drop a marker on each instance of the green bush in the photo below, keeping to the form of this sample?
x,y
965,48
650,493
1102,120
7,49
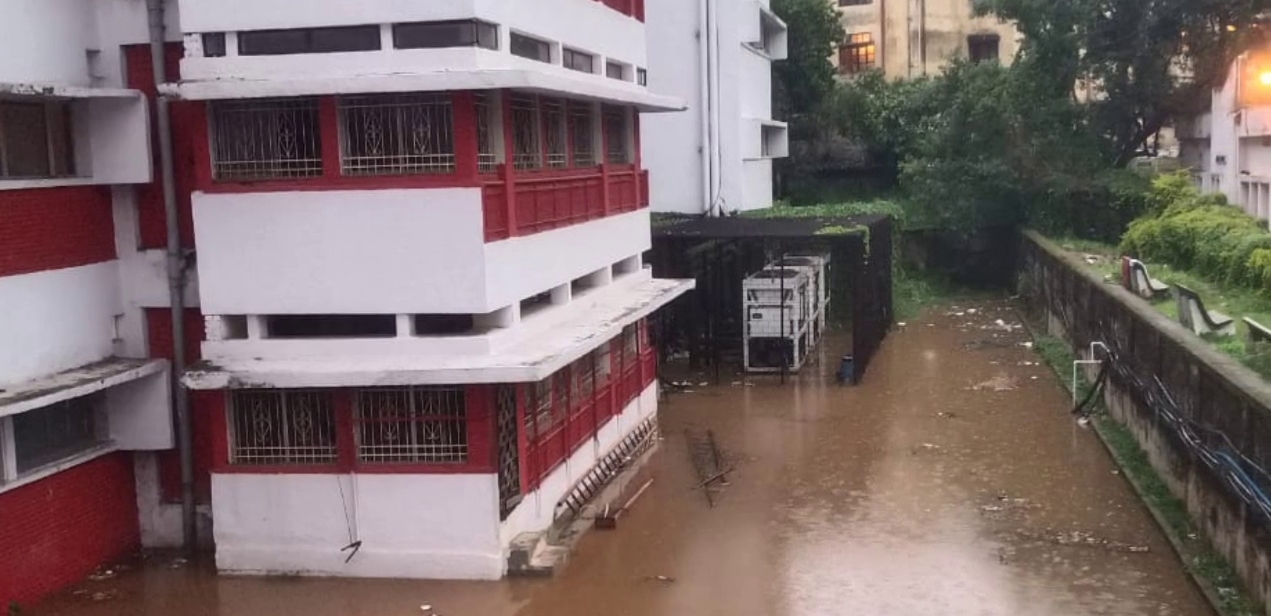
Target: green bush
x,y
1201,233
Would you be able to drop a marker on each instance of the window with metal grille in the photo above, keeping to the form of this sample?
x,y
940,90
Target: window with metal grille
x,y
604,364
578,61
983,47
441,34
613,70
388,134
857,54
487,160
619,152
308,40
582,133
538,421
52,433
554,131
35,140
258,139
214,45
630,345
282,427
584,376
529,47
417,425
526,141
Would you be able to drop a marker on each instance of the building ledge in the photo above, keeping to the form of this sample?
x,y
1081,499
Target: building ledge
x,y
75,383
588,86
541,346
43,90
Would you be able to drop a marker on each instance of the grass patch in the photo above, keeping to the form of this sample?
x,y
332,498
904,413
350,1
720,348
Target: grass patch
x,y
1236,302
904,217
1199,557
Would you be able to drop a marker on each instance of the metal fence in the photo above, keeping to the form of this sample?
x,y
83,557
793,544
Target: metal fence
x,y
282,427
418,425
397,134
265,139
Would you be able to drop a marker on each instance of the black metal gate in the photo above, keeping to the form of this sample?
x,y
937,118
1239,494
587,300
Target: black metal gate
x,y
509,452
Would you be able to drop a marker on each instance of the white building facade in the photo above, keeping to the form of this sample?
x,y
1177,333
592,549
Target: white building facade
x,y
717,55
1228,149
415,305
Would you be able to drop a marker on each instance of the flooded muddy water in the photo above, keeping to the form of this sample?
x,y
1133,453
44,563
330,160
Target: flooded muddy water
x,y
952,481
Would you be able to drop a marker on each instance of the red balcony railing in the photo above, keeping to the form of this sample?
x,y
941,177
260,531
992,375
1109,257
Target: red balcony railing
x,y
544,201
633,8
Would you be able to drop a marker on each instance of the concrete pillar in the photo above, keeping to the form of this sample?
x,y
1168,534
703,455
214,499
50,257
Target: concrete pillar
x,y
405,326
561,294
257,328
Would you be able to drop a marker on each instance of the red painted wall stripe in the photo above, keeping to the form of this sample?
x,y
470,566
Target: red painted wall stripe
x,y
202,406
54,228
56,531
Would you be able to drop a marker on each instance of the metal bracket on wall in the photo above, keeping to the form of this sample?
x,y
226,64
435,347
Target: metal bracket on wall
x,y
1086,362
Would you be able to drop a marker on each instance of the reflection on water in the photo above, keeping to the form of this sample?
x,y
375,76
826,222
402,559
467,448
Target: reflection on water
x,y
952,481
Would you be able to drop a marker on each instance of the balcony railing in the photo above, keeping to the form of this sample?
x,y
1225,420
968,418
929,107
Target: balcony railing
x,y
632,8
542,202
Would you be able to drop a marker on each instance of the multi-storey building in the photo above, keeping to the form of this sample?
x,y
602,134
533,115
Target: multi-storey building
x,y
407,243
1228,148
717,157
913,38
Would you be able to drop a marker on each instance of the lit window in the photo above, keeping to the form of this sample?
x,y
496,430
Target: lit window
x,y
265,139
858,54
54,433
282,427
308,40
397,134
442,34
532,48
578,61
418,425
526,138
616,133
983,47
35,140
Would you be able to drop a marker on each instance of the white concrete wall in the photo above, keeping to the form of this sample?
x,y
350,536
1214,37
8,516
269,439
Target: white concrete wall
x,y
537,510
411,526
55,320
675,147
386,252
44,41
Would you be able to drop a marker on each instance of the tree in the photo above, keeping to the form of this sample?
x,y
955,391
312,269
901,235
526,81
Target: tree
x,y
806,77
1146,62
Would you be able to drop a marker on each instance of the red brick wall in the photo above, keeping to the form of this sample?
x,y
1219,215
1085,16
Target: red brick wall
x,y
52,228
151,220
202,405
57,530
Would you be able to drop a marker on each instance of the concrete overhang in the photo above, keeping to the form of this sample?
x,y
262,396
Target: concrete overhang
x,y
588,87
78,382
55,91
561,336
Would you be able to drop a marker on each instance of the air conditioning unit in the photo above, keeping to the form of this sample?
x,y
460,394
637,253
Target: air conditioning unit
x,y
778,305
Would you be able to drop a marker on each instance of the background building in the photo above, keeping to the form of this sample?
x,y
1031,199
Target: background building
x,y
1228,148
717,55
405,243
912,38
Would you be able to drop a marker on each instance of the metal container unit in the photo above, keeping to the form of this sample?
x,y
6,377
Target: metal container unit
x,y
779,308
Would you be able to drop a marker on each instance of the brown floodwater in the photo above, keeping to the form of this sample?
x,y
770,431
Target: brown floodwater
x,y
951,482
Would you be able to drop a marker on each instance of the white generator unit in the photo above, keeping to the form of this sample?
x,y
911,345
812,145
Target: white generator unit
x,y
778,305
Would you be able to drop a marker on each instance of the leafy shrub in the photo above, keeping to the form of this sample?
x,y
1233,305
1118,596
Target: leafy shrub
x,y
1202,233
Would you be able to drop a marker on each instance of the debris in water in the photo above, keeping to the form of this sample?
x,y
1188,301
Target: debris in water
x,y
1027,345
177,563
1091,259
971,311
425,608
1139,549
998,383
102,574
1083,422
105,595
901,324
703,384
665,579
944,415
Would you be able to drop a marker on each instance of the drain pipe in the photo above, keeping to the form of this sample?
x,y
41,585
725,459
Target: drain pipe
x,y
704,62
176,273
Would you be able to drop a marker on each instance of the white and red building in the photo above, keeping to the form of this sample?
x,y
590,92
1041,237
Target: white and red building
x,y
417,313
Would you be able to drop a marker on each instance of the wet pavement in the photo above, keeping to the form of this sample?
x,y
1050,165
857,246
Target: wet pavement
x,y
951,482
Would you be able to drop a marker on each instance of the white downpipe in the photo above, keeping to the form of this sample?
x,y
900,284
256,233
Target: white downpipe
x,y
704,109
713,112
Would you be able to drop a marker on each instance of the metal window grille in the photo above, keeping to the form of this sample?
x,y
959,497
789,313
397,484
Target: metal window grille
x,y
604,365
582,133
859,54
630,345
397,134
560,397
265,139
487,161
539,421
616,133
584,372
420,425
526,140
509,451
282,427
554,127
